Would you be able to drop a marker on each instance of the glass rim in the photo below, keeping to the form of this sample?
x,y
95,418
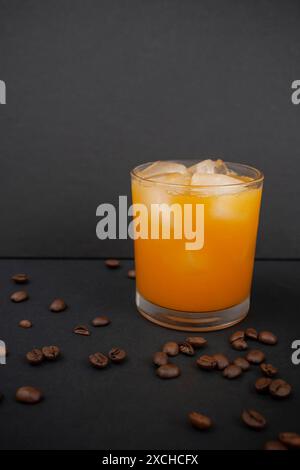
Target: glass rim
x,y
258,179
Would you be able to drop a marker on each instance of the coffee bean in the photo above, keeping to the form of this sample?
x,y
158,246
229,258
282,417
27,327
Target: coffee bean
x,y
251,333
196,341
242,363
255,356
254,419
268,370
117,355
274,445
171,348
290,439
25,324
1,396
262,384
232,371
199,421
237,335
206,362
35,356
168,371
221,360
112,263
280,388
239,345
267,337
131,273
186,348
51,352
19,296
58,305
20,278
160,358
98,360
82,330
29,395
101,321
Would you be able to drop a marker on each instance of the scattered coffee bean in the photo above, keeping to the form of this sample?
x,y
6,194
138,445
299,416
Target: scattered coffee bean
x,y
1,396
236,335
58,305
199,421
274,445
101,321
251,333
280,388
171,348
196,341
112,263
254,419
206,362
117,355
267,337
51,352
131,273
98,360
232,371
160,358
29,395
239,345
262,384
221,360
290,439
35,356
242,363
255,356
82,330
19,296
20,278
168,371
25,324
186,348
268,370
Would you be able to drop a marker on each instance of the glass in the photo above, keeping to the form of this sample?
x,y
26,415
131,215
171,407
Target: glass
x,y
208,288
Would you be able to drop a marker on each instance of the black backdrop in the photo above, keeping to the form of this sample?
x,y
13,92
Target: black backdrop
x,y
95,87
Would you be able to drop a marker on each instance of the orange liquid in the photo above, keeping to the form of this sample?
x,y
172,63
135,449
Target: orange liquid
x,y
215,277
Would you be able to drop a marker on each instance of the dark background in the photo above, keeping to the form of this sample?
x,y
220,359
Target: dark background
x,y
97,87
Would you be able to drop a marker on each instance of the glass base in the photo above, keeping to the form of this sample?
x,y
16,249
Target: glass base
x,y
192,321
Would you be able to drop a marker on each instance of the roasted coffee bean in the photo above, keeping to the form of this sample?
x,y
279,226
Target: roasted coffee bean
x,y
25,324
117,355
268,370
232,371
290,439
251,333
168,371
35,356
199,421
82,330
255,356
237,335
267,337
20,278
171,348
280,388
221,360
242,363
51,352
58,305
262,384
186,348
196,341
19,296
1,396
239,345
131,273
101,321
112,263
160,358
98,360
29,395
206,362
254,419
274,445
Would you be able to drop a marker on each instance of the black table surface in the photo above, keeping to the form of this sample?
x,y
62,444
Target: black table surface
x,y
126,406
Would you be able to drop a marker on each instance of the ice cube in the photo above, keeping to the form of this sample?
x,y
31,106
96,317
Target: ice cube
x,y
174,178
210,184
210,167
162,168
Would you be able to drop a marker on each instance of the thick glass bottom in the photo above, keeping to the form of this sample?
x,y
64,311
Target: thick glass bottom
x,y
192,321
